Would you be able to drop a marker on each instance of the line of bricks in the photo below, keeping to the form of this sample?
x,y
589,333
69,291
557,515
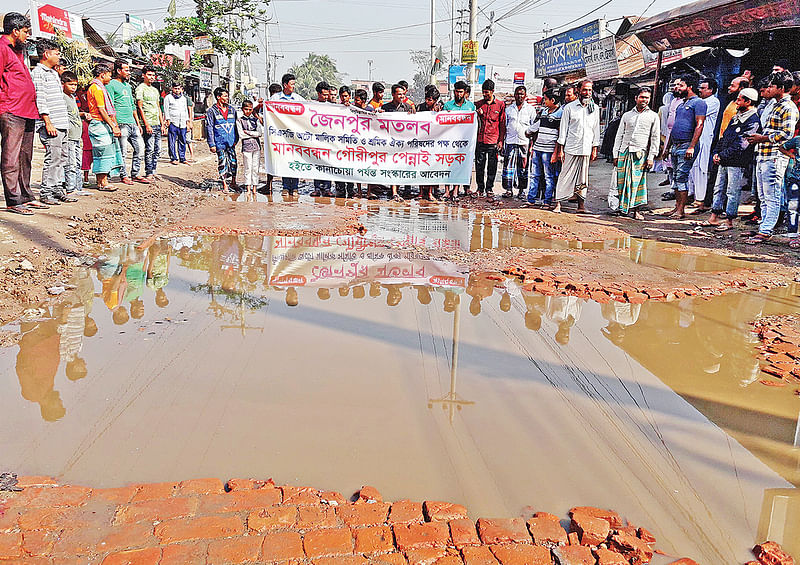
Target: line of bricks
x,y
203,522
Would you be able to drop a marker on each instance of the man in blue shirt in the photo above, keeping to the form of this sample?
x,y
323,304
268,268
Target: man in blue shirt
x,y
288,81
689,119
459,103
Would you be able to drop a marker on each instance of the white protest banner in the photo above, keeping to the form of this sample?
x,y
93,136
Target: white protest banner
x,y
600,58
344,143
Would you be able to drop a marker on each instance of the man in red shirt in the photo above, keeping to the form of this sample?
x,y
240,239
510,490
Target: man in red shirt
x,y
18,115
491,133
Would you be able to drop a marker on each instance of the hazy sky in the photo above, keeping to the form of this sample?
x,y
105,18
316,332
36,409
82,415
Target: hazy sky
x,y
343,29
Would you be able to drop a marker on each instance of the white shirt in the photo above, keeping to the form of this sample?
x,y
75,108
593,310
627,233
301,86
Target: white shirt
x,y
518,120
176,110
710,124
579,130
638,131
283,96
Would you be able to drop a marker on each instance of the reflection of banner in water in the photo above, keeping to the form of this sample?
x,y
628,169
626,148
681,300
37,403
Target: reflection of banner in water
x,y
310,261
343,143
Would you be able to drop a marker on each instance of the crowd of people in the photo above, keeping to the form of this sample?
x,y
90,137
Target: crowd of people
x,y
710,153
82,128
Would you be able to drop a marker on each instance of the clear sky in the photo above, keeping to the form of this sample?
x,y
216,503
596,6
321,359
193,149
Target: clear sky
x,y
343,29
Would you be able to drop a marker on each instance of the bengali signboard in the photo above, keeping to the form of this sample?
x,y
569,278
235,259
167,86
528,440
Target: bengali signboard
x,y
563,53
46,19
506,79
206,78
336,261
600,58
202,45
674,29
459,72
344,143
469,51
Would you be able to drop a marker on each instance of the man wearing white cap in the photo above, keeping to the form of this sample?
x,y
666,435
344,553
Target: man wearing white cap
x,y
733,154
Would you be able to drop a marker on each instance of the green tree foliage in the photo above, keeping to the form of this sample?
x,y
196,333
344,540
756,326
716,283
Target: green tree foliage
x,y
76,57
228,23
313,69
422,78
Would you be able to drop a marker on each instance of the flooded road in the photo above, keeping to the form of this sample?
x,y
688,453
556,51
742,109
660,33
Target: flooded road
x,y
336,362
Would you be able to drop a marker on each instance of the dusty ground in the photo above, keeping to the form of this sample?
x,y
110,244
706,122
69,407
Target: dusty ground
x,y
780,350
37,253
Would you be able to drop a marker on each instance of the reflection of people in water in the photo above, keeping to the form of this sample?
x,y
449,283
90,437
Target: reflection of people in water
x,y
359,292
135,278
344,291
479,286
451,300
535,306
505,302
423,294
619,315
158,256
37,364
565,311
374,289
393,294
291,297
324,293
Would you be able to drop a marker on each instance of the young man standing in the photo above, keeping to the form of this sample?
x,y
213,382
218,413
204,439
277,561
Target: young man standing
x,y
288,94
18,115
397,104
771,164
734,155
578,140
459,103
698,176
491,133
686,131
322,187
635,148
223,136
178,121
148,101
544,157
519,115
53,125
344,95
377,96
128,121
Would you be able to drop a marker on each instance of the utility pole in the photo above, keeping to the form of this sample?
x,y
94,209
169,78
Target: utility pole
x,y
433,40
473,36
266,54
370,62
452,28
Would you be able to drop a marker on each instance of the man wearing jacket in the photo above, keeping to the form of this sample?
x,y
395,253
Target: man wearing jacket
x,y
222,137
176,115
733,155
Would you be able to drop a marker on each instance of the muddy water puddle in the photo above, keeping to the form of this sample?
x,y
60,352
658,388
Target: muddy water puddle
x,y
339,362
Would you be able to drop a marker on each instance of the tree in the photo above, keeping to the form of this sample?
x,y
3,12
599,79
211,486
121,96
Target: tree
x,y
228,23
313,69
76,57
422,78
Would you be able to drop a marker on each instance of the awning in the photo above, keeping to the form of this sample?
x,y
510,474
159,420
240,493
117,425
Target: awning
x,y
96,40
716,22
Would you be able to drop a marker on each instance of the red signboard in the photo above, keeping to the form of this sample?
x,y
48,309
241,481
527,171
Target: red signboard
x,y
700,27
52,18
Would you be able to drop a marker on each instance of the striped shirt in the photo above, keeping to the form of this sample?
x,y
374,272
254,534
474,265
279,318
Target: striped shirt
x,y
779,128
50,97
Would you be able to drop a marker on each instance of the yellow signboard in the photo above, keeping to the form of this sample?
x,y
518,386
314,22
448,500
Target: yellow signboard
x,y
469,51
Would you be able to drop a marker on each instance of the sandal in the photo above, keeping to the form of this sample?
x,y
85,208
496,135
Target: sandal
x,y
37,205
794,243
723,227
758,238
20,210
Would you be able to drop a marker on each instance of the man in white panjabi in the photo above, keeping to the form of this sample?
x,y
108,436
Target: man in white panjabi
x,y
698,176
578,140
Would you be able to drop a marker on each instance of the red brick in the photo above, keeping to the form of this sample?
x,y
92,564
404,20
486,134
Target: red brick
x,y
50,497
235,550
646,536
36,481
10,545
546,515
463,533
275,518
156,510
771,553
388,559
547,531
503,530
572,538
363,514
120,495
369,494
332,498
443,511
608,557
249,484
340,560
687,561
479,555
206,527
9,517
46,519
614,520
634,549
29,561
80,541
153,491
239,500
591,531
148,556
193,553
405,511
521,554
449,560
200,486
429,534
280,546
315,517
39,542
333,541
375,539
425,555
129,536
300,495
574,555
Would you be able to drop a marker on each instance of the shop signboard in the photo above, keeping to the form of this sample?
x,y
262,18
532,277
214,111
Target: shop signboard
x,y
46,19
563,53
600,58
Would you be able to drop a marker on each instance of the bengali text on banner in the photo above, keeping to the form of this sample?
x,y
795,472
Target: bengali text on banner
x,y
314,140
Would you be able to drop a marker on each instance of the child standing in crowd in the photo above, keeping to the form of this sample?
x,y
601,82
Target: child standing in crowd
x,y
249,128
74,155
222,137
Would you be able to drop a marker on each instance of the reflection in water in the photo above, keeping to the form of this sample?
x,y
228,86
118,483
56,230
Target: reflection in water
x,y
552,383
